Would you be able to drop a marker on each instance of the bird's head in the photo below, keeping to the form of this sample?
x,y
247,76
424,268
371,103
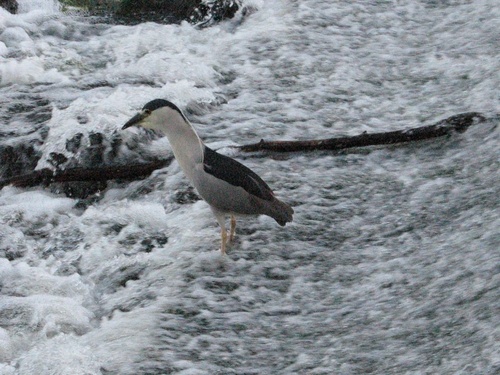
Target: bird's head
x,y
156,115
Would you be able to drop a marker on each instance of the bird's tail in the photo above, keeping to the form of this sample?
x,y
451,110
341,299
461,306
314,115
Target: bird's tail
x,y
281,212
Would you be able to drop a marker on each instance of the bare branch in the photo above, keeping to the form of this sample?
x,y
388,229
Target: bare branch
x,y
47,176
458,123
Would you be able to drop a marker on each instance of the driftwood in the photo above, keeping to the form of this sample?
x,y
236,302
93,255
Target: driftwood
x,y
458,123
47,176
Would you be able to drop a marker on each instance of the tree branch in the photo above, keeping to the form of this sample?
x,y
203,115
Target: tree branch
x,y
47,176
458,123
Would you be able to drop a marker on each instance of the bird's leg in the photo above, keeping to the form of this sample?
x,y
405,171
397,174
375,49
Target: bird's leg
x,y
221,218
223,235
233,228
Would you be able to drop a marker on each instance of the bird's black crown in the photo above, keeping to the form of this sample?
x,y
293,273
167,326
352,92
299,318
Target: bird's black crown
x,y
159,103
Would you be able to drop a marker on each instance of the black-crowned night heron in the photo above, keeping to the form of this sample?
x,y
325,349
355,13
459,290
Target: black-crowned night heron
x,y
230,188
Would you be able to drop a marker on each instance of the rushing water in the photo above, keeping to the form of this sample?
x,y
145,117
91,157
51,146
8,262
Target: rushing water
x,y
392,263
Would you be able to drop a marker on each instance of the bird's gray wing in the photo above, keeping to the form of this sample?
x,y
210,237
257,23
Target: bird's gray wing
x,y
235,173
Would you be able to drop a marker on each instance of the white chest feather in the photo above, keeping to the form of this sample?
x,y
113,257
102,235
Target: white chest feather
x,y
185,143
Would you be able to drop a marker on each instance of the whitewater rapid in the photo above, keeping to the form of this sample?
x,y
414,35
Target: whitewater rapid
x,y
392,262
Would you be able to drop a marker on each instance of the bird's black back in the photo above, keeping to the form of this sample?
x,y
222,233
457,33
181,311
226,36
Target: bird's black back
x,y
235,173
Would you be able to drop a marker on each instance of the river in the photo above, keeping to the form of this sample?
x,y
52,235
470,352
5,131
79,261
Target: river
x,y
392,263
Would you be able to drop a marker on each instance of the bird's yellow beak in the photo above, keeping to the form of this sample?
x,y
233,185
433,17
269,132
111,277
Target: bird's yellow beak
x,y
136,120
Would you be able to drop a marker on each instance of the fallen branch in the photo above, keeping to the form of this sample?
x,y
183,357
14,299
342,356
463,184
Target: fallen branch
x,y
458,123
47,176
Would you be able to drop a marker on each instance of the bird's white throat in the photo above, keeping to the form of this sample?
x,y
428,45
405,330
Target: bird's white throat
x,y
185,143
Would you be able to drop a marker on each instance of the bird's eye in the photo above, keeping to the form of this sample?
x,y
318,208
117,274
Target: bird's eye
x,y
147,111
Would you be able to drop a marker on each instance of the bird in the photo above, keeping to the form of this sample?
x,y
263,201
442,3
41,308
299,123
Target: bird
x,y
229,187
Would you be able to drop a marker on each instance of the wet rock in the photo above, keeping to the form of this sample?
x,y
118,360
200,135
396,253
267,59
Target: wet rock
x,y
211,12
84,203
73,144
10,5
94,154
20,145
83,189
186,196
95,139
18,159
57,159
148,244
115,144
201,12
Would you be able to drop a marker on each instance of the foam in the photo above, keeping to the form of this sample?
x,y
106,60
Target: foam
x,y
61,355
391,262
48,6
32,205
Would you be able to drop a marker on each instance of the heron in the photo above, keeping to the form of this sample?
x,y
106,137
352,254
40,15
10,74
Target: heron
x,y
230,188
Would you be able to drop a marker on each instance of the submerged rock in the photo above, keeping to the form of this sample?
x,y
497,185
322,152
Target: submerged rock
x,y
10,5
